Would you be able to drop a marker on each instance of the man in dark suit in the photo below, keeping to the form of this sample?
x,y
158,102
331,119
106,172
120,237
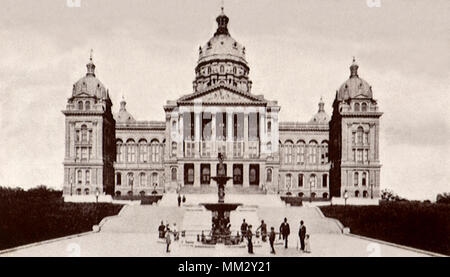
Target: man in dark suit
x,y
243,229
272,239
285,231
302,235
249,239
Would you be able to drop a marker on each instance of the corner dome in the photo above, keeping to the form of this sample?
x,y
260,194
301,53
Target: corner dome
x,y
355,86
123,116
321,116
89,84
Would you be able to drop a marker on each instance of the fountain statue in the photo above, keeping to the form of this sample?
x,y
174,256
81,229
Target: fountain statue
x,y
220,231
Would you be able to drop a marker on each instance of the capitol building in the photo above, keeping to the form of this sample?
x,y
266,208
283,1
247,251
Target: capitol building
x,y
324,157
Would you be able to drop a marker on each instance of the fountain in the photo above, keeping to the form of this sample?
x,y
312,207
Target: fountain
x,y
220,231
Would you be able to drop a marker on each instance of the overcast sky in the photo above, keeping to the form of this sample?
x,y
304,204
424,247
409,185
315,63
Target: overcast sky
x,y
297,50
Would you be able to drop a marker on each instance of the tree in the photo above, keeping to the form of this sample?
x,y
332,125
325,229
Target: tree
x,y
443,198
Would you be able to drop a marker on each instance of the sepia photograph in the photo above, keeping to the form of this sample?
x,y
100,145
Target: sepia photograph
x,y
249,129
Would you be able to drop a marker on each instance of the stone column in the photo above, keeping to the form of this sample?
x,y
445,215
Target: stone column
x,y
197,131
245,175
245,135
180,140
197,175
262,132
229,134
213,135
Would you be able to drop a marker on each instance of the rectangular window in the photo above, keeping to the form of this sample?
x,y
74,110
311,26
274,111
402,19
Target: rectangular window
x,y
205,170
84,154
189,174
237,174
360,155
300,180
325,180
254,175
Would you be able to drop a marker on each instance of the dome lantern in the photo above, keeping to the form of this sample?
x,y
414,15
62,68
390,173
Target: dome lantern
x,y
354,69
222,21
90,66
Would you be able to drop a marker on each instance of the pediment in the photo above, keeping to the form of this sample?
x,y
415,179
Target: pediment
x,y
222,95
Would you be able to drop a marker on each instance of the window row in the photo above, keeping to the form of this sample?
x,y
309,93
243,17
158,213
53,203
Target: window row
x,y
360,137
82,177
360,155
365,194
301,153
84,105
83,154
83,134
141,152
360,178
205,174
302,181
142,180
361,107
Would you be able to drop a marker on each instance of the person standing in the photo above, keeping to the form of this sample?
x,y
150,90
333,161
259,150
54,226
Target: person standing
x,y
184,198
179,200
285,231
307,244
161,230
302,235
272,239
168,240
249,239
243,229
263,228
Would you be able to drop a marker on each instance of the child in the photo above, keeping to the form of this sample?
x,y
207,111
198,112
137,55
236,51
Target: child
x,y
307,244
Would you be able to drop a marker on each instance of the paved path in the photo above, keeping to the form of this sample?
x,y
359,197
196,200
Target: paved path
x,y
134,233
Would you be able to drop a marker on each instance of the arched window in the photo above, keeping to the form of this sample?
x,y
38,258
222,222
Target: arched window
x,y
364,107
79,177
142,193
155,151
209,70
131,151
222,69
253,176
86,191
120,151
118,179
325,195
84,133
78,191
80,105
269,175
312,152
174,149
288,181
269,127
300,180
324,180
324,154
356,179
365,194
143,151
356,107
87,178
359,135
364,179
269,148
288,150
301,194
356,193
88,105
118,193
174,174
142,180
154,179
313,195
301,152
130,179
312,181
237,174
206,174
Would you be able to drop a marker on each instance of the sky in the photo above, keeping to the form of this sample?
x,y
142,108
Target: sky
x,y
298,51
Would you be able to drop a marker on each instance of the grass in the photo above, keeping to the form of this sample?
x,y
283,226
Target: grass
x,y
416,224
41,214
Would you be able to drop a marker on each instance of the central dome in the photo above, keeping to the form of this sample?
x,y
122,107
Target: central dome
x,y
222,61
354,86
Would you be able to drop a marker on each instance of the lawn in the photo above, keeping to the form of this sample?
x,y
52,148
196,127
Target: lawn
x,y
421,225
41,214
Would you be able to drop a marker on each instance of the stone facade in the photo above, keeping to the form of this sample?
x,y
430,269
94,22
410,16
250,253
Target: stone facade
x,y
120,155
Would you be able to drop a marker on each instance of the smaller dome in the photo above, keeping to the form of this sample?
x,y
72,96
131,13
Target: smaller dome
x,y
321,116
89,84
354,86
123,116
